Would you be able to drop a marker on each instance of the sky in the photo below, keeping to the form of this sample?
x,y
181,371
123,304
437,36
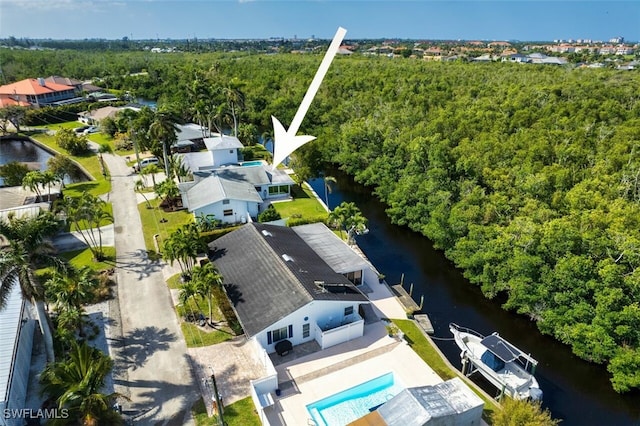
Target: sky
x,y
527,20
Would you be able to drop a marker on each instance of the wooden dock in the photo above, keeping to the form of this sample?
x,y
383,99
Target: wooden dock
x,y
405,298
424,323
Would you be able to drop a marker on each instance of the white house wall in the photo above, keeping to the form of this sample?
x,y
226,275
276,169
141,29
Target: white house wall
x,y
320,312
224,156
242,210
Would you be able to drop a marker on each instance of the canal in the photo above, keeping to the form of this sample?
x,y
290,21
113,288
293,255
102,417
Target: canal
x,y
575,391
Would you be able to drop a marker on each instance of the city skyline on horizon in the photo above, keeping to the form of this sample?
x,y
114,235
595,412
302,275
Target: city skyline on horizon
x,y
520,20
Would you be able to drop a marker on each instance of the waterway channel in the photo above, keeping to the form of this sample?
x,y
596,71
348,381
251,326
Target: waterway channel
x,y
575,391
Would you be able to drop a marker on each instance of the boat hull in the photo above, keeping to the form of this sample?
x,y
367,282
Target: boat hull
x,y
509,377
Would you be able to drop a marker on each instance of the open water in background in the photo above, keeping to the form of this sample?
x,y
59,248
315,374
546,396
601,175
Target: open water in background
x,y
575,391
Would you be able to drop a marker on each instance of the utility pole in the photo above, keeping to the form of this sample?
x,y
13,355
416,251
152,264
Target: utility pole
x,y
218,401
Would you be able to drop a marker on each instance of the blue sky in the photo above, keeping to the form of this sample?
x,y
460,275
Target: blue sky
x,y
417,19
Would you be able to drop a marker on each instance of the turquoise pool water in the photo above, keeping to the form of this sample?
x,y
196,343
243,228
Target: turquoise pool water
x,y
252,163
351,404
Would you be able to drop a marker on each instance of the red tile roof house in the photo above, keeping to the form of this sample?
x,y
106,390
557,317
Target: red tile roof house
x,y
35,92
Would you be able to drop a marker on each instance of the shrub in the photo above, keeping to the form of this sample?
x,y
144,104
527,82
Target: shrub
x,y
13,172
69,141
295,221
269,215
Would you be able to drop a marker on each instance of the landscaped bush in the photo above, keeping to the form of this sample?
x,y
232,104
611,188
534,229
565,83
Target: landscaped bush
x,y
295,221
68,140
269,215
209,236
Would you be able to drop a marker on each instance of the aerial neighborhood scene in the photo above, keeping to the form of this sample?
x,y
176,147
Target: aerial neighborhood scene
x,y
319,213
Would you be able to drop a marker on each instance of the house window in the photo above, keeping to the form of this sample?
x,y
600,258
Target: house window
x,y
225,201
230,151
228,212
279,334
305,331
280,189
348,310
355,277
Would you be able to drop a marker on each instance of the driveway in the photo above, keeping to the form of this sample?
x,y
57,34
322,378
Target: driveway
x,y
151,363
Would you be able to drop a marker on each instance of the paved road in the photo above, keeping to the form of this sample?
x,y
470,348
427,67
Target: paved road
x,y
151,364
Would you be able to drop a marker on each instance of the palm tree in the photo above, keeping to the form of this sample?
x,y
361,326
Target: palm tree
x,y
151,169
139,187
71,287
348,217
183,245
235,99
164,130
88,213
76,383
328,188
33,181
206,278
27,248
189,291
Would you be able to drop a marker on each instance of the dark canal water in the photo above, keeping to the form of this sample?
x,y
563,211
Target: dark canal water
x,y
24,151
575,391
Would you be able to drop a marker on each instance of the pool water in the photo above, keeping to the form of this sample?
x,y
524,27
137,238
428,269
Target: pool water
x,y
252,163
351,404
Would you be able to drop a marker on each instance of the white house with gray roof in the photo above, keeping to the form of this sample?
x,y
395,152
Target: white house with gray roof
x,y
222,160
227,200
282,289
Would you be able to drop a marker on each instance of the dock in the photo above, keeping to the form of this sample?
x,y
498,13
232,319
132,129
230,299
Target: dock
x,y
405,298
424,323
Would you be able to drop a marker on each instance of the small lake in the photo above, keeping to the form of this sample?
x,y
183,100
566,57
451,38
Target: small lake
x,y
23,151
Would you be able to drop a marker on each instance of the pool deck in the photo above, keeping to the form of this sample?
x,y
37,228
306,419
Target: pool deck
x,y
317,375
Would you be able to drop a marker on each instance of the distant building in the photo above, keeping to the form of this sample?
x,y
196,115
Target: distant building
x,y
616,40
35,92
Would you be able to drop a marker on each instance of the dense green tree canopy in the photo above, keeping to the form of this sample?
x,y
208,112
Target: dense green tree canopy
x,y
526,176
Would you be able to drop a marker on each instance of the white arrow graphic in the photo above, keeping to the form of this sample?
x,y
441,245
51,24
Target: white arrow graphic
x,y
286,141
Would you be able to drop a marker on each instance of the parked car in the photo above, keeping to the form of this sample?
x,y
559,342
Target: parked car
x,y
144,163
81,129
90,129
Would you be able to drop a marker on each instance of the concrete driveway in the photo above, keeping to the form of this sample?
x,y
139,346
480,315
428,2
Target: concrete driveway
x,y
151,363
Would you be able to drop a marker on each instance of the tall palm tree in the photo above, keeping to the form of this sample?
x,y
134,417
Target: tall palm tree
x,y
183,245
235,99
329,181
88,213
71,287
206,278
26,249
164,129
76,384
189,291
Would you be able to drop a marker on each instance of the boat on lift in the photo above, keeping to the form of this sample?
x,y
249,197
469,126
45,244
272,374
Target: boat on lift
x,y
506,367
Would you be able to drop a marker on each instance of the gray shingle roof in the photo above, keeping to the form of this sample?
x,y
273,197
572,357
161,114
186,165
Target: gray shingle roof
x,y
264,285
214,189
335,252
224,142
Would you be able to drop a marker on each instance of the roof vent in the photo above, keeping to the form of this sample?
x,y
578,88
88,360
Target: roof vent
x,y
266,233
287,258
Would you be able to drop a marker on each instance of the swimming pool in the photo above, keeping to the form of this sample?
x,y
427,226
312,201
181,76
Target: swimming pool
x,y
252,163
351,404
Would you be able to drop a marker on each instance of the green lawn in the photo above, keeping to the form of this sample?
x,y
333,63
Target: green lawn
x,y
240,413
304,205
196,338
151,222
79,258
88,161
425,350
